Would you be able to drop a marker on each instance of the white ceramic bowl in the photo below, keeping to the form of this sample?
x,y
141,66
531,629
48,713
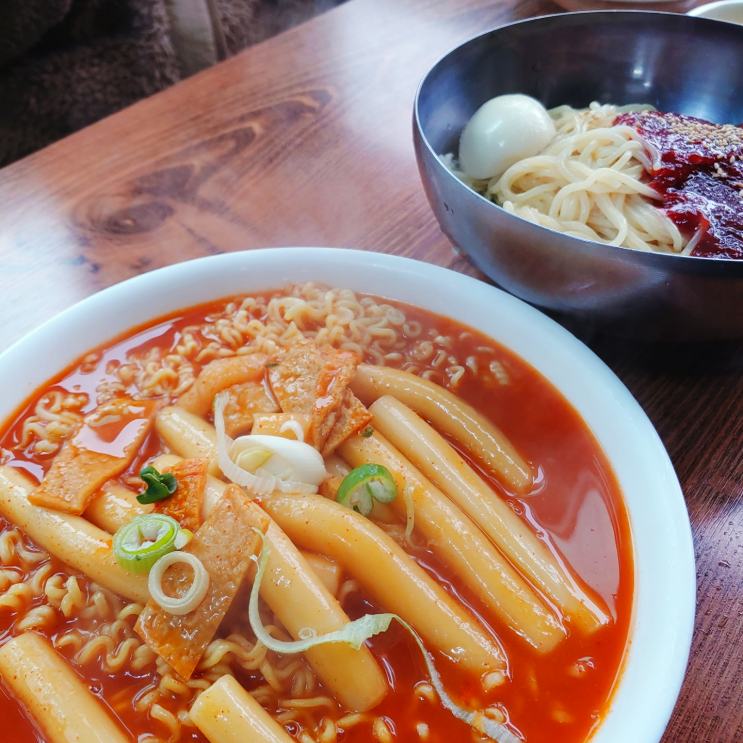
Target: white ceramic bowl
x,y
665,581
725,10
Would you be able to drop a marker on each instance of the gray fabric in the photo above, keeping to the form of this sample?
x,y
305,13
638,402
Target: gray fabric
x,y
24,22
274,16
239,22
192,35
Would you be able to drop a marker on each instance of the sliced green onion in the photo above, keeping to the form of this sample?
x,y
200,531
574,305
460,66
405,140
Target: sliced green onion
x,y
196,592
362,486
159,485
139,544
407,494
295,427
183,537
252,459
292,467
355,634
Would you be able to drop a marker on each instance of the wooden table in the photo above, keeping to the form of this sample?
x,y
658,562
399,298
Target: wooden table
x,y
306,140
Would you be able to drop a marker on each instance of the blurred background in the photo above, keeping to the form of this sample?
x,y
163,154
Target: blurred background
x,y
65,64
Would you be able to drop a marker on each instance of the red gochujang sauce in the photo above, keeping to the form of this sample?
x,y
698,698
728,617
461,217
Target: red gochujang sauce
x,y
698,172
559,697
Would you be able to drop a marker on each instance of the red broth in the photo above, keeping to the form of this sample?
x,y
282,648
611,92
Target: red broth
x,y
556,698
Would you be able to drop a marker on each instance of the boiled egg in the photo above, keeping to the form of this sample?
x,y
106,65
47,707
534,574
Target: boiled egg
x,y
503,131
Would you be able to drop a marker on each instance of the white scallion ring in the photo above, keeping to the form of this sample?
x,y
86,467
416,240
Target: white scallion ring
x,y
195,594
295,428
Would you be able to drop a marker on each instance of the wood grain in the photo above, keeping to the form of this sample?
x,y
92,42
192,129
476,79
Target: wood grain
x,y
306,140
303,140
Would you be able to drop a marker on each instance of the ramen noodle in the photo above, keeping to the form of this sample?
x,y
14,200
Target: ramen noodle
x,y
189,513
633,177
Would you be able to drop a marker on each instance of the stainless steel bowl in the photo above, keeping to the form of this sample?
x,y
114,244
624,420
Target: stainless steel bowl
x,y
675,62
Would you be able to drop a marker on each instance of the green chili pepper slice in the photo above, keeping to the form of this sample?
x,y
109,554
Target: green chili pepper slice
x,y
362,486
139,544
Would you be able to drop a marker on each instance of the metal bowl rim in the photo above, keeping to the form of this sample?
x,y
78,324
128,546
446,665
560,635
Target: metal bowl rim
x,y
651,256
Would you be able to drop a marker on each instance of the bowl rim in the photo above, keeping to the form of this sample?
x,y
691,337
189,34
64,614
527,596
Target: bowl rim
x,y
419,131
665,577
701,10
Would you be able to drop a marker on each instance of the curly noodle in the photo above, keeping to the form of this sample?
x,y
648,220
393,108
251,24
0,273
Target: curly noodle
x,y
377,332
94,628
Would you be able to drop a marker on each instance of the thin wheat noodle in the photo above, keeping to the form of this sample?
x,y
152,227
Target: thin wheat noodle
x,y
590,182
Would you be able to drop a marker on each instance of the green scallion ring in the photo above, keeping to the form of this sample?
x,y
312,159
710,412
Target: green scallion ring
x,y
139,544
364,485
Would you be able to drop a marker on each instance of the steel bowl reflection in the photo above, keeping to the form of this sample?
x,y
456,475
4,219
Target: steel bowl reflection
x,y
674,62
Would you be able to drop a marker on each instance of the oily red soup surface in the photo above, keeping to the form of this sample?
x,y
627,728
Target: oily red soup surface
x,y
576,503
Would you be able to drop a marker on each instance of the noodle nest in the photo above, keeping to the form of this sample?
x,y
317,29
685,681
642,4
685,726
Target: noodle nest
x,y
590,182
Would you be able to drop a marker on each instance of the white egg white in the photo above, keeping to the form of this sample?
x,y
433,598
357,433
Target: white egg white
x,y
503,131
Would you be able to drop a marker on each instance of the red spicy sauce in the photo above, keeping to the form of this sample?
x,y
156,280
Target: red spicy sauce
x,y
698,171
